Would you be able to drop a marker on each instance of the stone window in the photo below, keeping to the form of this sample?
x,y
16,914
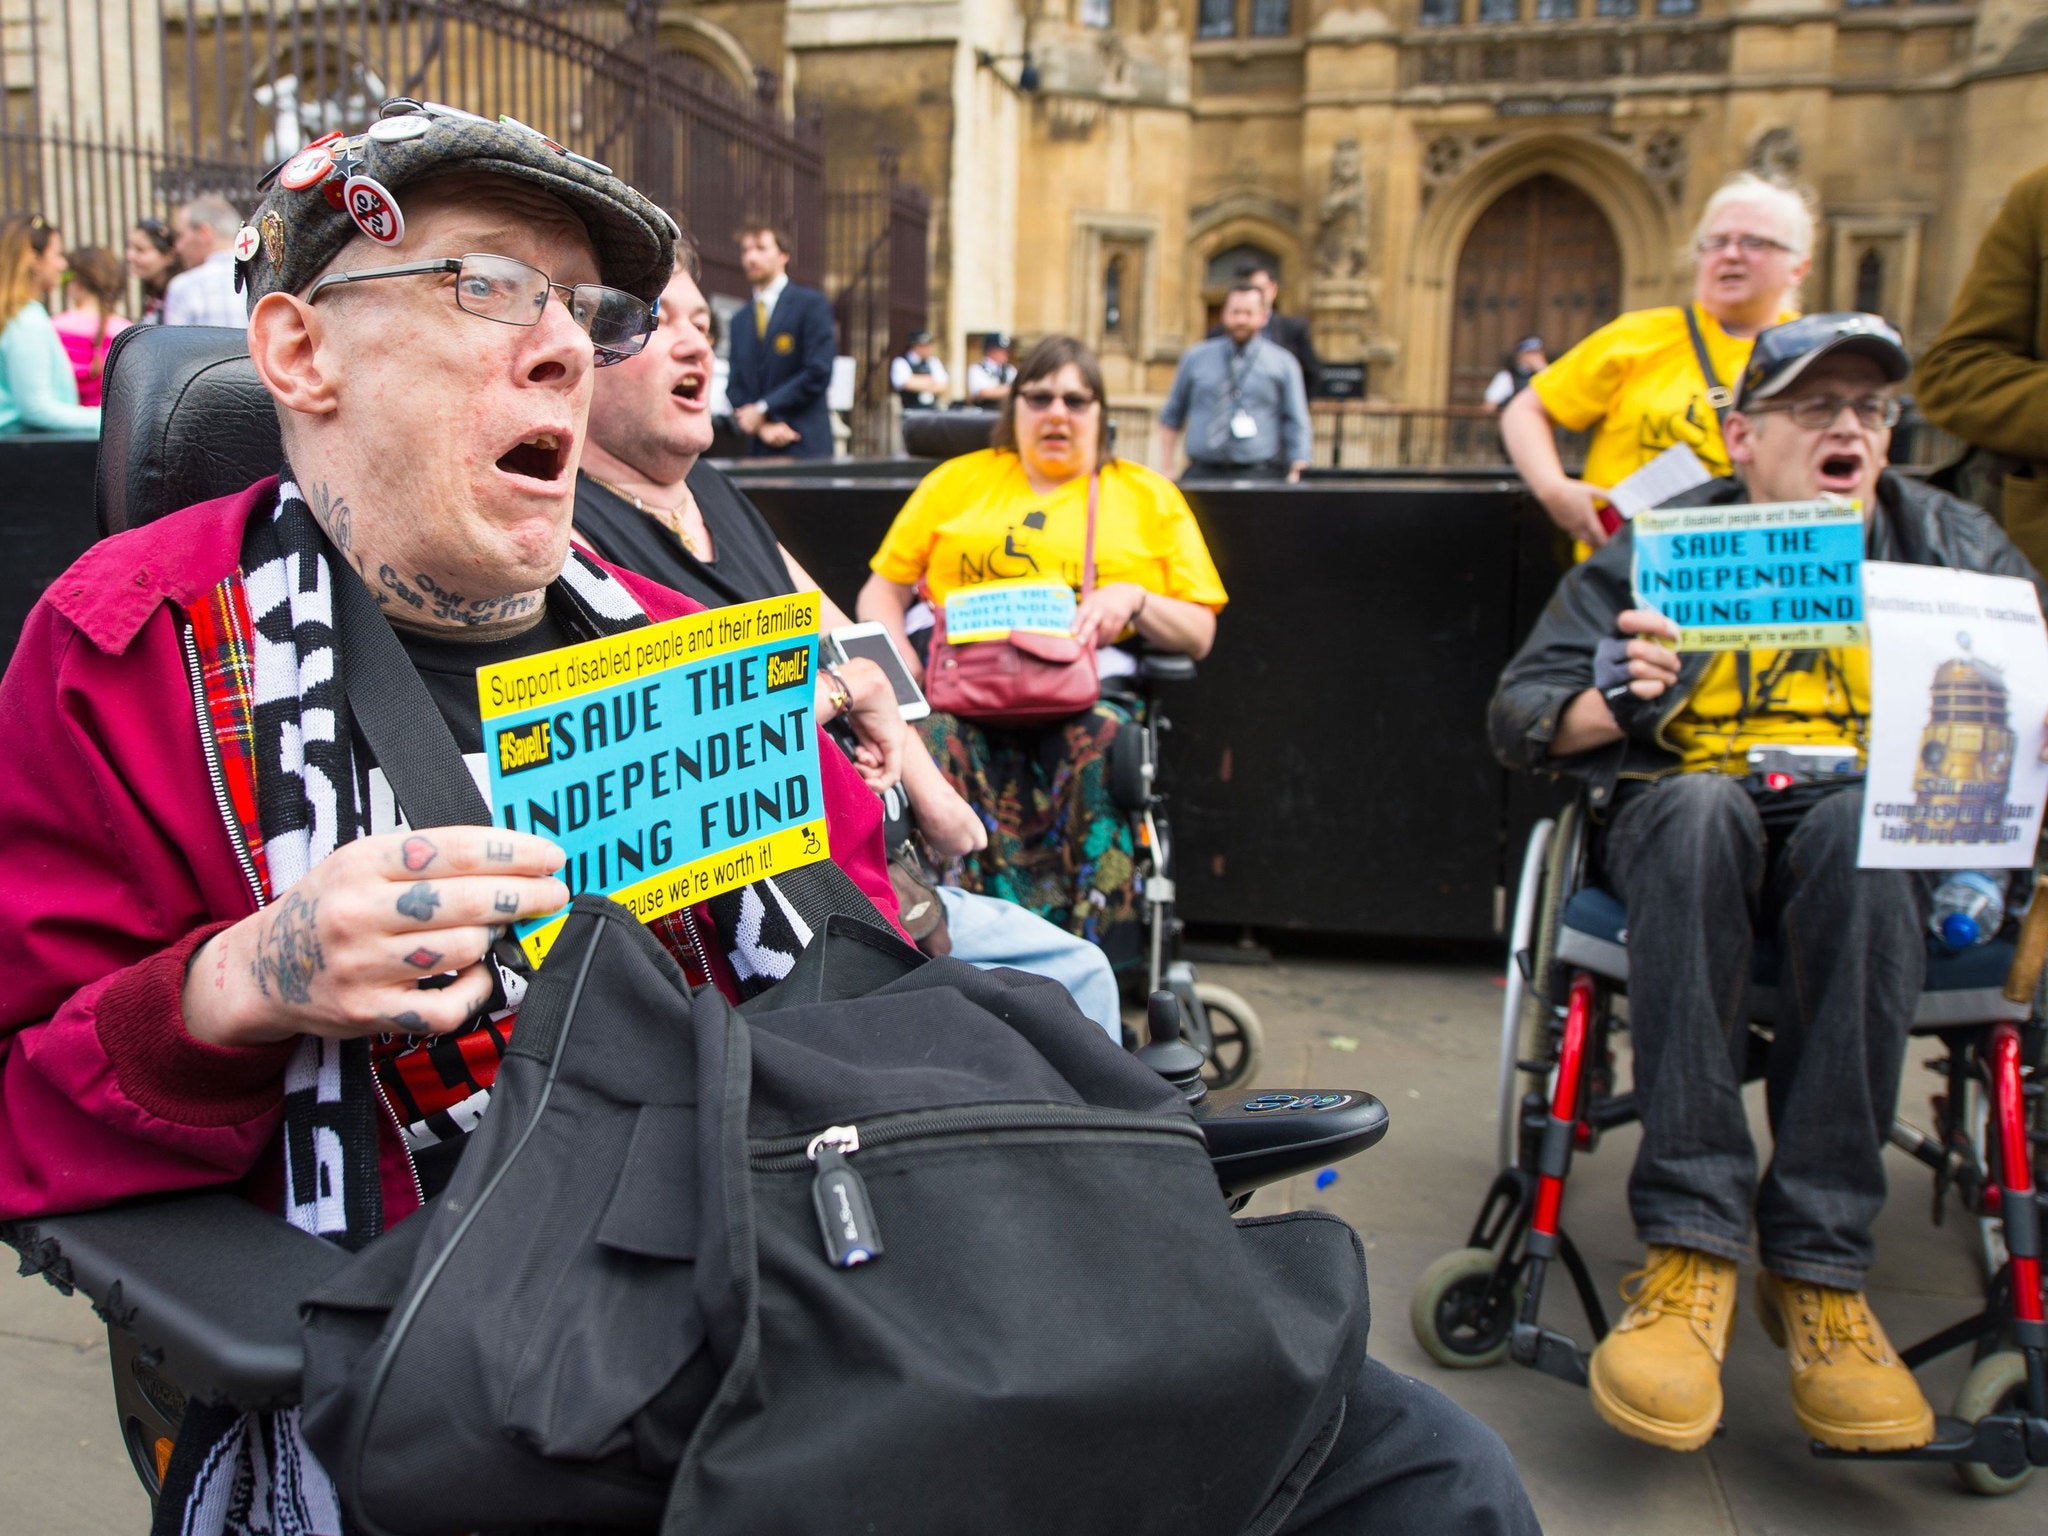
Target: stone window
x,y
1217,18
1678,7
1614,7
1095,13
1113,297
1439,13
1862,4
1500,10
1272,18
1870,282
1556,10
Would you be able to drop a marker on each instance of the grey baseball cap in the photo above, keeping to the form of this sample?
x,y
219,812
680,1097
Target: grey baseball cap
x,y
343,185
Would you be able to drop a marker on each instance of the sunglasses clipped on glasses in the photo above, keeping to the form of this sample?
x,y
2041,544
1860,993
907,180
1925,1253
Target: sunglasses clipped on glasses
x,y
512,293
1041,400
1816,413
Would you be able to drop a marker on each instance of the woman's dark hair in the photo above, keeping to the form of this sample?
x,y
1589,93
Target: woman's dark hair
x,y
158,233
1042,362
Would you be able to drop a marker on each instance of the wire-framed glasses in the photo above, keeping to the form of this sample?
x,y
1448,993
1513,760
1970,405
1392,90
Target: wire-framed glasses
x,y
1815,413
512,293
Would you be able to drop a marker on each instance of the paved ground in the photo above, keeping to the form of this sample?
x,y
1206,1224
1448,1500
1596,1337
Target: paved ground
x,y
1423,1038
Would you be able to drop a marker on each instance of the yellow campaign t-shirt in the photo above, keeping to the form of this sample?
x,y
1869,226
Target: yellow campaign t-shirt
x,y
1773,699
976,519
1636,382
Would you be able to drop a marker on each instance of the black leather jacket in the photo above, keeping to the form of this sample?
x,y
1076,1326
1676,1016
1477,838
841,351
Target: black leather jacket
x,y
1915,525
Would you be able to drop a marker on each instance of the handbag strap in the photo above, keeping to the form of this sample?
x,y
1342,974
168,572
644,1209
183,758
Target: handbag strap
x,y
1719,395
1088,545
397,716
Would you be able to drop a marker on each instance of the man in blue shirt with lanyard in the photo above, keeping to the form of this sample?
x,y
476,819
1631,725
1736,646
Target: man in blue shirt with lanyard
x,y
1240,399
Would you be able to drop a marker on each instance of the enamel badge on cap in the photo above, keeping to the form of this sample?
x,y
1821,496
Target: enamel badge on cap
x,y
375,211
395,130
246,241
273,237
305,168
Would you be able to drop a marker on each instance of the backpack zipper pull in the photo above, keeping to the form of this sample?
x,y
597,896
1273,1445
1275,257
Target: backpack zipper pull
x,y
845,1218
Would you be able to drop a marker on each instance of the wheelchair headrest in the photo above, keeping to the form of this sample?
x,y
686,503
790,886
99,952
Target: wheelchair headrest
x,y
185,420
946,434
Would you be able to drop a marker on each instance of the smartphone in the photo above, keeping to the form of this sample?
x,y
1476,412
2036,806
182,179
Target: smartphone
x,y
871,642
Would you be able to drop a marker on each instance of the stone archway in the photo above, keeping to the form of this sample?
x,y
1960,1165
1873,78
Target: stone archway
x,y
1242,221
720,53
1643,224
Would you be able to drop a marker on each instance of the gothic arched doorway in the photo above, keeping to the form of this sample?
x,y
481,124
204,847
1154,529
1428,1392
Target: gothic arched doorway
x,y
1541,260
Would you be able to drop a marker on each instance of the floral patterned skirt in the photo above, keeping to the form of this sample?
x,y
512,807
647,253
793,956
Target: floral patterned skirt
x,y
1057,843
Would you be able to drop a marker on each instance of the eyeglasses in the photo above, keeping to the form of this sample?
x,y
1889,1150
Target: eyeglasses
x,y
1749,245
512,293
1042,399
1816,413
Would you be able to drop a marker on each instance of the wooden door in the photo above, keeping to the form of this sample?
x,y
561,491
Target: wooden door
x,y
1541,261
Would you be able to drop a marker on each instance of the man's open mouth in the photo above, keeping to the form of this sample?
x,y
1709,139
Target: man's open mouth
x,y
542,456
690,388
1841,466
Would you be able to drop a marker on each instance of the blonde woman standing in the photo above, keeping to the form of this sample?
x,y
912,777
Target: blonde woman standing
x,y
38,391
1653,378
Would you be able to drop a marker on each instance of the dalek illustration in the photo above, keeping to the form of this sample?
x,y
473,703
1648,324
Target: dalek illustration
x,y
1965,762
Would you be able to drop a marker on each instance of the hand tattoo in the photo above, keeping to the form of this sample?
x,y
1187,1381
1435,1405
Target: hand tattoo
x,y
506,902
288,951
497,852
418,853
419,902
409,1021
424,959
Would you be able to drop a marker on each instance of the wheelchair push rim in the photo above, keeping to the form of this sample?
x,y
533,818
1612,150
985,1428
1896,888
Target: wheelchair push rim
x,y
1528,898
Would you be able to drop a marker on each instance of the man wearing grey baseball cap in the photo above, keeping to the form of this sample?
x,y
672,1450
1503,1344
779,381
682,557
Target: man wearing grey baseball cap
x,y
1726,790
232,962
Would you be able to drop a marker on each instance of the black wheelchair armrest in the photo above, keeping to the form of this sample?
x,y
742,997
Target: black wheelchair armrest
x,y
1261,1136
207,1281
1166,667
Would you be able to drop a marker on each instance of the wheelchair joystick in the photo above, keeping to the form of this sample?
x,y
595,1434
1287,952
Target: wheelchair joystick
x,y
1168,1054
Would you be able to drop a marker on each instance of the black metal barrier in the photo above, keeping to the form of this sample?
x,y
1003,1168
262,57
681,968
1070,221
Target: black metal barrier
x,y
1329,767
46,518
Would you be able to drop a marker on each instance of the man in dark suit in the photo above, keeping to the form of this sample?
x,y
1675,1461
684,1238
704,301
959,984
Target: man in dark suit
x,y
1288,331
782,348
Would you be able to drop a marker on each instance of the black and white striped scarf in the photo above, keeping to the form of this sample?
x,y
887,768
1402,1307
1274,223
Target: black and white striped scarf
x,y
252,1474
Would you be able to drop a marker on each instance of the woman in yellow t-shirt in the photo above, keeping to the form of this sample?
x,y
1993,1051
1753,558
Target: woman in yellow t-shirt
x,y
1637,382
1057,843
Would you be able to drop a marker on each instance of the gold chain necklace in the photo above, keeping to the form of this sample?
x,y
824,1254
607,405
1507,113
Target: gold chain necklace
x,y
674,519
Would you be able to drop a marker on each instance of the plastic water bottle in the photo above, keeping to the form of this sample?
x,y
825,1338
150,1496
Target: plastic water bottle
x,y
1968,907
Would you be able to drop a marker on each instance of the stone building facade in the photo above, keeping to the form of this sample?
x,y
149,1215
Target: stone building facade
x,y
1432,177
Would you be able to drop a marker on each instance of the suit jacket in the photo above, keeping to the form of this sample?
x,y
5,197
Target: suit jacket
x,y
789,369
1291,332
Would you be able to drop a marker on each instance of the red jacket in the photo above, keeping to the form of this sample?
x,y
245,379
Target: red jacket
x,y
115,866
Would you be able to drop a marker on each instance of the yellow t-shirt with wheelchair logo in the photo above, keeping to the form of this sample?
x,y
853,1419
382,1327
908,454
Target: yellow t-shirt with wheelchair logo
x,y
1636,382
1773,699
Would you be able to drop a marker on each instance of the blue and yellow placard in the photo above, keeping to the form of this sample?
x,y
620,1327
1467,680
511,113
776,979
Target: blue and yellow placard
x,y
992,610
671,763
1781,575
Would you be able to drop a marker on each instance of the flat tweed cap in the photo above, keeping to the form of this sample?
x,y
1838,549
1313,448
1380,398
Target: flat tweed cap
x,y
303,221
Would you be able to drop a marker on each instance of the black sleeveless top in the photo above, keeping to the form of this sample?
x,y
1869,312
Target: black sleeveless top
x,y
746,566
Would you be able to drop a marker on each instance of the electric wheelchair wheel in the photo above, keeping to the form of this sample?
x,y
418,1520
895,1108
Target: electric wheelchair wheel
x,y
1452,1318
1237,1040
1524,1032
1996,1383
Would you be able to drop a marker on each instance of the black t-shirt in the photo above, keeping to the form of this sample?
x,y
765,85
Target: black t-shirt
x,y
448,665
746,564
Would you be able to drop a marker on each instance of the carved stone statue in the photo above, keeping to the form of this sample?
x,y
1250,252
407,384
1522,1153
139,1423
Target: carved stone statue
x,y
1341,221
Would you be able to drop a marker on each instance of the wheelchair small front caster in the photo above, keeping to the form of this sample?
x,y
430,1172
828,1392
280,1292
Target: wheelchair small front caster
x,y
1237,1040
1456,1321
1996,1384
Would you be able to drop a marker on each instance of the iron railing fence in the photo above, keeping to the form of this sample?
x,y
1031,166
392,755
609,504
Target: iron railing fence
x,y
117,109
877,273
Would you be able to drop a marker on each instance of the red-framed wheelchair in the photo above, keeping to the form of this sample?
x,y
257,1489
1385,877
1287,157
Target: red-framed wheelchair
x,y
1566,998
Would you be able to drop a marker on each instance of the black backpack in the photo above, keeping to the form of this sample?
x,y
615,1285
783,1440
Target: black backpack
x,y
899,1245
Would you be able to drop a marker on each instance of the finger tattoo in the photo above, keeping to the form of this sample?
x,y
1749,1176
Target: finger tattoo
x,y
497,850
418,902
506,902
424,959
418,853
288,951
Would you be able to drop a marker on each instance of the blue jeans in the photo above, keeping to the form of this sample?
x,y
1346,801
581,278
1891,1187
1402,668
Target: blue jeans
x,y
1702,881
990,932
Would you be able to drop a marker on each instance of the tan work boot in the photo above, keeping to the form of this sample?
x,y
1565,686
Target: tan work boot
x,y
1850,1390
1657,1375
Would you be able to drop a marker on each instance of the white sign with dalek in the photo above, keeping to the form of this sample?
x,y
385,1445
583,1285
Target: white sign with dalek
x,y
1958,719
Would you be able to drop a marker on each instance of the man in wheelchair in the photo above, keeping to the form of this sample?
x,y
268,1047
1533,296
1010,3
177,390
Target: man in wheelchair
x,y
1709,857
